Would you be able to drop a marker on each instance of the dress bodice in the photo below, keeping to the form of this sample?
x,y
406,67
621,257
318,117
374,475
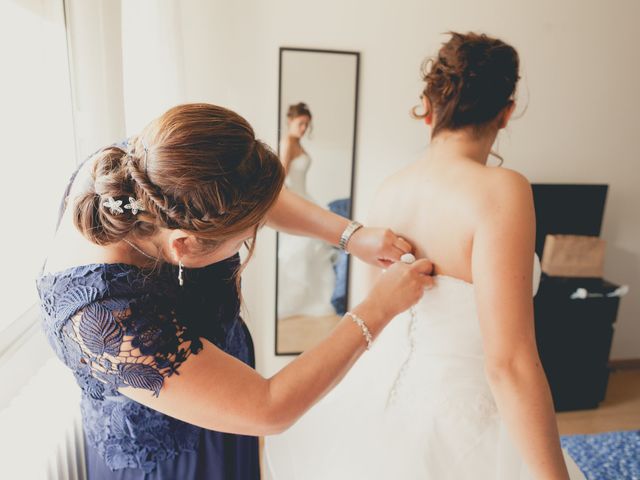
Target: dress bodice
x,y
296,180
447,320
420,395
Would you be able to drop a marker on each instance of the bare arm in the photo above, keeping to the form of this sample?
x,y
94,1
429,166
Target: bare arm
x,y
297,216
216,391
502,263
285,154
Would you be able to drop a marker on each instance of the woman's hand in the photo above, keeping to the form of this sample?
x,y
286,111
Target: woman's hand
x,y
378,246
397,289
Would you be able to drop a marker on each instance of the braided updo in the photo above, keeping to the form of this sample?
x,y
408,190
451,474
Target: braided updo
x,y
471,80
198,168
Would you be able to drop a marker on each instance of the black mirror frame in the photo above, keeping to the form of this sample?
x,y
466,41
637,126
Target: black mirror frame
x,y
353,164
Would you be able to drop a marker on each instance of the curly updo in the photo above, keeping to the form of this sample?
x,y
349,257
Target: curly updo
x,y
198,168
298,110
471,80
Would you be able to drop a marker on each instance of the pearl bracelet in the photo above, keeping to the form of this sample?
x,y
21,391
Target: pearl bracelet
x,y
363,326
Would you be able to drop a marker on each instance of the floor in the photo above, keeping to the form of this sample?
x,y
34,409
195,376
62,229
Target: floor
x,y
299,333
619,411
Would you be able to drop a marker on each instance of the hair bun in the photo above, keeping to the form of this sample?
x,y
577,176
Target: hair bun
x,y
298,110
471,80
97,222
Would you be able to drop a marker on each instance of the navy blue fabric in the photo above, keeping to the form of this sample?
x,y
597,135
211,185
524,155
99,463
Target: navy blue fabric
x,y
89,314
119,325
342,207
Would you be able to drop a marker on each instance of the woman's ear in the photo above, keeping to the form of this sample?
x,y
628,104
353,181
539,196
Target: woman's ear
x,y
506,114
178,244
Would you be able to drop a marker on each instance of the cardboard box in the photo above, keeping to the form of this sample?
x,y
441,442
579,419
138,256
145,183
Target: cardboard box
x,y
573,256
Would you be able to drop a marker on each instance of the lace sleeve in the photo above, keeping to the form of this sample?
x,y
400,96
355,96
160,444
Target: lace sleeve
x,y
123,342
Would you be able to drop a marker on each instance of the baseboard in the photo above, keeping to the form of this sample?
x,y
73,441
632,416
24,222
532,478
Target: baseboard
x,y
625,364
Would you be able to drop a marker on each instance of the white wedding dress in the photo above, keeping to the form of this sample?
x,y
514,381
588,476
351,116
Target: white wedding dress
x,y
416,406
306,278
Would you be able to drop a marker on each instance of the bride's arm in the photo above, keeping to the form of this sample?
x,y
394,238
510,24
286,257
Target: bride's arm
x,y
297,216
502,265
285,154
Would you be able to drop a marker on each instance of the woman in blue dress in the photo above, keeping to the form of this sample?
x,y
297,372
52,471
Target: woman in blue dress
x,y
140,299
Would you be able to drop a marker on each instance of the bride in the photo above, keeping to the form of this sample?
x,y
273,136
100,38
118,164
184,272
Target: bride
x,y
454,388
306,278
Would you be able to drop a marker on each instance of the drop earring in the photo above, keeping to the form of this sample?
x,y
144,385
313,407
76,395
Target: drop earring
x,y
180,273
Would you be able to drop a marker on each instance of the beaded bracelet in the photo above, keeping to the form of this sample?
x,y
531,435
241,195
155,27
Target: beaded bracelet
x,y
363,326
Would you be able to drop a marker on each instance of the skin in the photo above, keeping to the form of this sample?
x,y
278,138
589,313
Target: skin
x,y
489,243
290,146
215,390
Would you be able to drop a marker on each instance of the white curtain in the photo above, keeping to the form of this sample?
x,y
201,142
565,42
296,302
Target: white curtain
x,y
77,75
127,66
152,59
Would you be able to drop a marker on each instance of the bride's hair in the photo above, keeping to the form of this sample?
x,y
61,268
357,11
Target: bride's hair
x,y
471,80
298,110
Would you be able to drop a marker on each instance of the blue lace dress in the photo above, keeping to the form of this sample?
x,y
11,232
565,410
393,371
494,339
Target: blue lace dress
x,y
119,325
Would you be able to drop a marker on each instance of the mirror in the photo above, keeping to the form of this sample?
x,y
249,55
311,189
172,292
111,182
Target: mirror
x,y
317,118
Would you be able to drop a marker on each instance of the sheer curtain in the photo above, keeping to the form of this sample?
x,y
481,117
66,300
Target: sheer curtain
x,y
127,66
77,75
37,142
36,127
152,60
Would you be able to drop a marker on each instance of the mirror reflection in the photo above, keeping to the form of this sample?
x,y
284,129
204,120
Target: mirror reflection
x,y
317,117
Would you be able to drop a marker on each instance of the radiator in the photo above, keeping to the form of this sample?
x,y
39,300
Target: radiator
x,y
41,431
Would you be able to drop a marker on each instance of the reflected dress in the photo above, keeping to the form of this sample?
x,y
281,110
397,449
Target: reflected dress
x,y
306,276
120,325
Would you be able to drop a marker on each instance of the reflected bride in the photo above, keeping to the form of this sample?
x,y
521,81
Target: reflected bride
x,y
306,278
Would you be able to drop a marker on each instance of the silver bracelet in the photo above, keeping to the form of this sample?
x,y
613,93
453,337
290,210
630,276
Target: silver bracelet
x,y
348,232
363,326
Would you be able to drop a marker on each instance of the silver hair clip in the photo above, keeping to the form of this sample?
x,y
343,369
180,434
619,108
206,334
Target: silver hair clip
x,y
134,205
131,150
113,205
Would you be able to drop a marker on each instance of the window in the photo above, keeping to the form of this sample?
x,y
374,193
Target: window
x,y
37,148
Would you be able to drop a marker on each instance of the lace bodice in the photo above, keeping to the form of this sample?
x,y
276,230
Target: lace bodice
x,y
117,325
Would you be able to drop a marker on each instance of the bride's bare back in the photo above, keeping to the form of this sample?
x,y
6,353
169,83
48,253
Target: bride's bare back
x,y
438,202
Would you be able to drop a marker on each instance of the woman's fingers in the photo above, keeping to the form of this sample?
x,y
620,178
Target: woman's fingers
x,y
403,245
384,263
396,246
423,267
396,253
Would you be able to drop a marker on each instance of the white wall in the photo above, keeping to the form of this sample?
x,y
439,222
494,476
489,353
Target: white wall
x,y
580,68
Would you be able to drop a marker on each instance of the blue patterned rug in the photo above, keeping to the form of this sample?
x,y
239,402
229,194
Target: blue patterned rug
x,y
606,456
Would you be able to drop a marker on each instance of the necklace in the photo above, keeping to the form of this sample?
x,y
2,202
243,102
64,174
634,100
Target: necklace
x,y
138,249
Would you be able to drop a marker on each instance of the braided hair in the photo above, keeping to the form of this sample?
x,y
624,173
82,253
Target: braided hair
x,y
197,168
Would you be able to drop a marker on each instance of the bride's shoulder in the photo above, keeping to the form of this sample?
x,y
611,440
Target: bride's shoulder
x,y
504,192
505,182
